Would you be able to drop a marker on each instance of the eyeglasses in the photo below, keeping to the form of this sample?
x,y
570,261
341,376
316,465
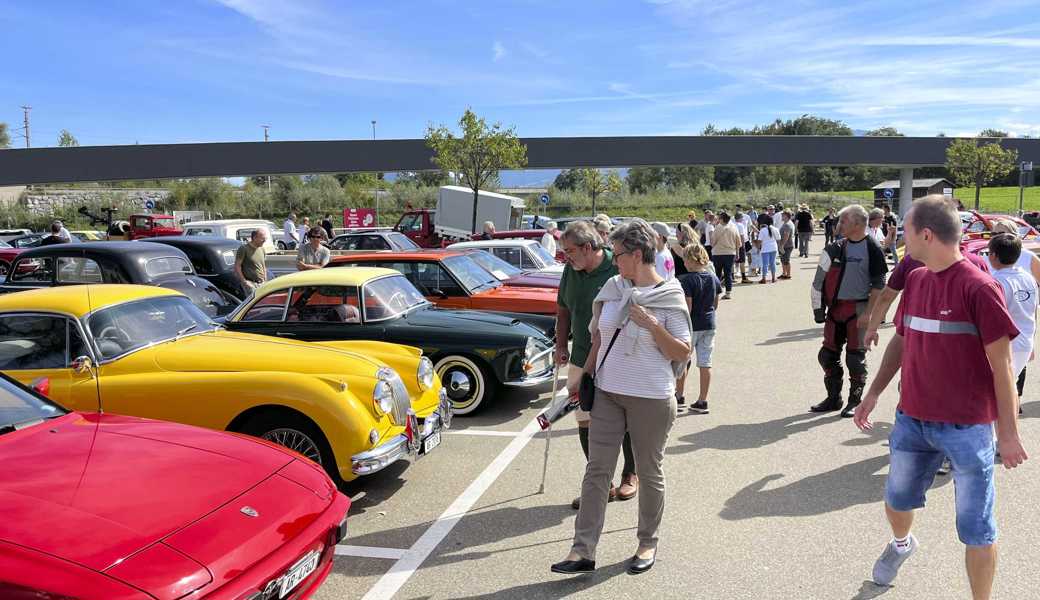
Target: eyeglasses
x,y
618,255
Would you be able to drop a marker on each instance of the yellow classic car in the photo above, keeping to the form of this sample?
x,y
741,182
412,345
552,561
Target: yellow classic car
x,y
354,407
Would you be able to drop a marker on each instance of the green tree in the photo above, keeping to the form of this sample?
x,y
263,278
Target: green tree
x,y
595,183
642,180
689,177
970,163
67,140
568,179
993,133
424,178
884,132
5,137
369,180
478,155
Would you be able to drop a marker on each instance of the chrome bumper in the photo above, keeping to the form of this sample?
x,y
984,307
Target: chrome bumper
x,y
382,456
405,444
532,380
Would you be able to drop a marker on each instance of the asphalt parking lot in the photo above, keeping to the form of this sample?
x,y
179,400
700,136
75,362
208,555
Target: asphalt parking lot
x,y
764,499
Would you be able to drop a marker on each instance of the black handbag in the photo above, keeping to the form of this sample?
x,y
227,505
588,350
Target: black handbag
x,y
587,387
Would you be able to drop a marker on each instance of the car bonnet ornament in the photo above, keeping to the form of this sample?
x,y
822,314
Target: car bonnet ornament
x,y
249,511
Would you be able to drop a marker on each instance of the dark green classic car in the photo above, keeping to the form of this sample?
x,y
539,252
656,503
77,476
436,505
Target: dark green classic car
x,y
473,351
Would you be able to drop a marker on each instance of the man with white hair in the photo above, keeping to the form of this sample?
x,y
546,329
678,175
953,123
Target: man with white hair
x,y
549,237
848,281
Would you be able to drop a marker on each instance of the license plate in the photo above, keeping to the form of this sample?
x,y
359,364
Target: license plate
x,y
431,442
298,572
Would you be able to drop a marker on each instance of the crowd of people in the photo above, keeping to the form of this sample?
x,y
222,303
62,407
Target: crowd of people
x,y
641,298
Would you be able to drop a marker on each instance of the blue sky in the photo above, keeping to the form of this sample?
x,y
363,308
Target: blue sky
x,y
215,70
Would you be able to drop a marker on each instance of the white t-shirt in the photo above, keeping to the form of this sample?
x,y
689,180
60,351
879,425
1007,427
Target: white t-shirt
x,y
665,264
64,234
1020,295
1025,260
877,234
769,242
289,232
778,219
549,243
742,230
646,373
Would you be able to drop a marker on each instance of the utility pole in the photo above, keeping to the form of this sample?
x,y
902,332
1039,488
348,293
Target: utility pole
x,y
373,129
267,139
25,112
1024,168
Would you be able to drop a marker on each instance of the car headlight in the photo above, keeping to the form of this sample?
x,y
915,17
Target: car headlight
x,y
425,373
383,397
532,362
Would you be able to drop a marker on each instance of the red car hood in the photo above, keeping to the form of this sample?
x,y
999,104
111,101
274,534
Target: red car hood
x,y
535,279
93,489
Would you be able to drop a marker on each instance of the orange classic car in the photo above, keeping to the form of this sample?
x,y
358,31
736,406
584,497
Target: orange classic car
x,y
452,279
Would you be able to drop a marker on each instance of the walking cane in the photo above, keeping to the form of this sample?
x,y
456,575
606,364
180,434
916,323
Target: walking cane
x,y
548,431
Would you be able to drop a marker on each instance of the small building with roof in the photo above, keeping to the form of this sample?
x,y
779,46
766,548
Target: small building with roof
x,y
921,188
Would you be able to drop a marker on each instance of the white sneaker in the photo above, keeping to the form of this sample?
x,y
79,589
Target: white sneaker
x,y
887,566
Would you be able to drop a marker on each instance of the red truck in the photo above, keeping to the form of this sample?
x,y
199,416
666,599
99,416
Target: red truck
x,y
453,219
146,226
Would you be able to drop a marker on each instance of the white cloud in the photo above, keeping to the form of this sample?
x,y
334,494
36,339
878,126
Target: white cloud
x,y
498,51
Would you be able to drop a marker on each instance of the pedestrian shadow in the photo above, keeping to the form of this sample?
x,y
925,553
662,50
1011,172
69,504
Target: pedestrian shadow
x,y
870,590
1030,410
799,335
743,436
475,529
847,486
555,588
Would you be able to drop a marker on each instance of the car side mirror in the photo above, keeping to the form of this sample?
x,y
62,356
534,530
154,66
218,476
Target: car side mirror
x,y
439,293
82,364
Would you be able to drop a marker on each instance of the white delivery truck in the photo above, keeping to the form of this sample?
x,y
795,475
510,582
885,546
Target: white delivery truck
x,y
453,218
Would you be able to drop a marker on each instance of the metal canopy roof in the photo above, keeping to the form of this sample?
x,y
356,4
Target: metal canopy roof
x,y
163,161
918,183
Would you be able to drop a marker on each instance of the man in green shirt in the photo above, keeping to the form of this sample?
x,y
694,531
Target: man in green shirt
x,y
251,260
589,266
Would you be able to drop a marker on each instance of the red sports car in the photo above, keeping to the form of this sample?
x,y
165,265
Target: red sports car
x,y
105,507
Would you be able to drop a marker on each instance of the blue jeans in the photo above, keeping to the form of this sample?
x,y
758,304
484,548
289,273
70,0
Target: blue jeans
x,y
917,448
768,263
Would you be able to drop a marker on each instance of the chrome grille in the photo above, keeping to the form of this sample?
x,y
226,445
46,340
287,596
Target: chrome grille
x,y
402,401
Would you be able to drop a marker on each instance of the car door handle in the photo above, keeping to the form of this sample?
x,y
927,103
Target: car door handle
x,y
284,334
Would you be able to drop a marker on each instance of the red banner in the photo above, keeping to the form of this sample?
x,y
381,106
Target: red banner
x,y
359,217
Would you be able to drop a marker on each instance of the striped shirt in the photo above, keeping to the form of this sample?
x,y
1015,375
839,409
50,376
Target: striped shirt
x,y
646,373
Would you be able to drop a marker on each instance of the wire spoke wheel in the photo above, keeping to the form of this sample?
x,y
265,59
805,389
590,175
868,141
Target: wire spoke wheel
x,y
296,441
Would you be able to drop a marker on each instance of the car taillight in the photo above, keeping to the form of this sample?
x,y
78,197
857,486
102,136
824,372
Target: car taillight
x,y
42,386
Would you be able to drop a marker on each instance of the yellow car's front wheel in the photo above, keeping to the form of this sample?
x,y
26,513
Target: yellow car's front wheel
x,y
296,433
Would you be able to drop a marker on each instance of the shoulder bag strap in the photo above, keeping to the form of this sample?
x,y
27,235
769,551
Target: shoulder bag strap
x,y
609,346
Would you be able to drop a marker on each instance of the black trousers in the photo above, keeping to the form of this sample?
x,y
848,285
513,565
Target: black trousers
x,y
724,269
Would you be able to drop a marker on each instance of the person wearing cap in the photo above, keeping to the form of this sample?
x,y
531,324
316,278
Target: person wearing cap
x,y
549,238
603,226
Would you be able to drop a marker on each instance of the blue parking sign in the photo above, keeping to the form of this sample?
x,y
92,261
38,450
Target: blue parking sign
x,y
544,199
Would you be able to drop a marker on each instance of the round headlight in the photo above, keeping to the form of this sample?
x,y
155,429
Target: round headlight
x,y
425,373
383,397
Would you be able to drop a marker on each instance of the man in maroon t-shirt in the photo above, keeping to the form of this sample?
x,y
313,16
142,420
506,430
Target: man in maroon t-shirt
x,y
895,285
953,344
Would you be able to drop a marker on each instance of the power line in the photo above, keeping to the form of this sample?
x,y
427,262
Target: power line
x,y
25,112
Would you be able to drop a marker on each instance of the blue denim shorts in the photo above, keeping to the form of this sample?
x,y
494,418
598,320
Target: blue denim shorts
x,y
916,451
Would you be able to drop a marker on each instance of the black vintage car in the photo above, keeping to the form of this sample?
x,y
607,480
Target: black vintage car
x,y
213,258
473,351
142,263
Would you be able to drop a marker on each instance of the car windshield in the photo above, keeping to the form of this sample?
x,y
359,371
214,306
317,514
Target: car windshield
x,y
470,274
495,265
18,407
402,241
390,297
5,245
542,255
126,327
166,265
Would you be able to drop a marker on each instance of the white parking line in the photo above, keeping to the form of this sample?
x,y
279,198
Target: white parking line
x,y
413,558
490,432
369,552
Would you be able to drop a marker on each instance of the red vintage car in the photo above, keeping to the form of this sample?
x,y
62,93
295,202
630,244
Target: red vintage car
x,y
452,279
105,507
977,225
7,255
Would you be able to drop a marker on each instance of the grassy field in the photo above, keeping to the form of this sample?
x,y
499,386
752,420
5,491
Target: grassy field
x,y
993,199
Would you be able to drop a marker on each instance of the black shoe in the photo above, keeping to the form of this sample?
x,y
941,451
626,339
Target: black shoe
x,y
828,405
680,400
944,468
700,407
638,565
576,503
850,409
574,567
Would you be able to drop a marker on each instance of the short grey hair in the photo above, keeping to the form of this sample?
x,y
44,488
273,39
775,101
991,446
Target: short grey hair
x,y
661,229
637,235
580,233
876,213
603,225
489,225
550,226
856,214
